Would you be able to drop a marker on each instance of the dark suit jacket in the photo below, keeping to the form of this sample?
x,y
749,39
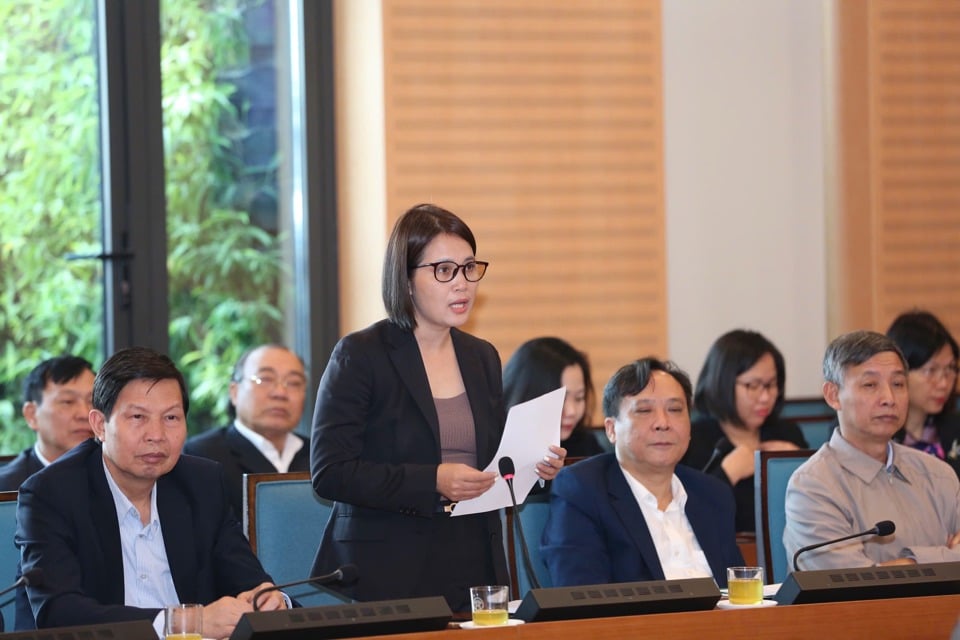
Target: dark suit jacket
x,y
239,456
596,532
19,469
67,526
376,448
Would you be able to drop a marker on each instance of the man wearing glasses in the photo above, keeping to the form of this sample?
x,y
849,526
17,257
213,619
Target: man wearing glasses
x,y
267,393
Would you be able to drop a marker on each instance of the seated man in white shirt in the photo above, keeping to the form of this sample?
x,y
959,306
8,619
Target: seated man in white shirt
x,y
123,525
267,393
634,515
861,477
56,404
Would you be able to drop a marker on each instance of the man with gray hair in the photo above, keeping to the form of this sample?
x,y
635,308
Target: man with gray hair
x,y
861,477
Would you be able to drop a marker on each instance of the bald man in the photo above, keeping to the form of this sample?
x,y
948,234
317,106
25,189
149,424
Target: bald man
x,y
267,394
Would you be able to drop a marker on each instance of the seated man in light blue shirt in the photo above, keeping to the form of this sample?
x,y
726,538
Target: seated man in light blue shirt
x,y
123,525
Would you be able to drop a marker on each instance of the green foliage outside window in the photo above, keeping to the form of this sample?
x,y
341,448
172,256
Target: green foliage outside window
x,y
224,272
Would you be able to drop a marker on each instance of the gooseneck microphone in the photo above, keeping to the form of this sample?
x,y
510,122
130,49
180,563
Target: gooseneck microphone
x,y
720,451
347,574
29,578
507,470
882,528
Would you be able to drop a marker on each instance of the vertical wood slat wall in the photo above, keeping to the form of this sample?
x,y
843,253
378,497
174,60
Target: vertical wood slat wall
x,y
540,123
899,112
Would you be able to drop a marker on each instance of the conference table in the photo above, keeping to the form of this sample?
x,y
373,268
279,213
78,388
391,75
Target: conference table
x,y
917,618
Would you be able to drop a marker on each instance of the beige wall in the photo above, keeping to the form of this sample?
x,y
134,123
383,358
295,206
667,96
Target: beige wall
x,y
361,165
745,174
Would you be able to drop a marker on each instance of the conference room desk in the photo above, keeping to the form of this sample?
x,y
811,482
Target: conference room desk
x,y
931,617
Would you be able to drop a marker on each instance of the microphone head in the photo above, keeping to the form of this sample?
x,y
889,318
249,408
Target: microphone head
x,y
348,573
723,446
32,577
507,470
885,528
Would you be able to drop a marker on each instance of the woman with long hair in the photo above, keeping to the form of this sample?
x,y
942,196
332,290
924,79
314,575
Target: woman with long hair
x,y
541,365
932,423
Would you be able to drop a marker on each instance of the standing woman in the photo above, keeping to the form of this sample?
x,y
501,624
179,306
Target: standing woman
x,y
541,365
739,397
407,412
932,353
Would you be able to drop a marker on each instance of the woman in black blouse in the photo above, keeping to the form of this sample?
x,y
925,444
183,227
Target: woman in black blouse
x,y
738,397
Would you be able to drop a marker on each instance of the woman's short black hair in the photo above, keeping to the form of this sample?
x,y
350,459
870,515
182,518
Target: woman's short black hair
x,y
411,234
920,335
733,353
536,368
631,379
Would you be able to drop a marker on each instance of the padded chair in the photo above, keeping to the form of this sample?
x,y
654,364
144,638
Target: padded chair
x,y
9,554
284,520
812,407
816,432
533,517
601,436
772,472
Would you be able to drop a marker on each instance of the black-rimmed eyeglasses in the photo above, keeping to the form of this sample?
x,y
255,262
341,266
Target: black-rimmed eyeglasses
x,y
445,271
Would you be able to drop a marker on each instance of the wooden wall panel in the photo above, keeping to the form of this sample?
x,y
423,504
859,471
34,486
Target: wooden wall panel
x,y
901,71
541,124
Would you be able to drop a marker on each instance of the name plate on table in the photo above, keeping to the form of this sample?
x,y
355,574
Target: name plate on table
x,y
137,630
345,620
838,585
619,599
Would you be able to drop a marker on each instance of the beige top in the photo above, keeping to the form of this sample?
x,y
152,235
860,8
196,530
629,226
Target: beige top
x,y
458,436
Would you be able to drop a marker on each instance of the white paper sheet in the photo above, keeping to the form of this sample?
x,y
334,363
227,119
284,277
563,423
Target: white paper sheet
x,y
531,428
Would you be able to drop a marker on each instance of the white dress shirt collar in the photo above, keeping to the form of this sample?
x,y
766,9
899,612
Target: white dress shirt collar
x,y
280,461
677,546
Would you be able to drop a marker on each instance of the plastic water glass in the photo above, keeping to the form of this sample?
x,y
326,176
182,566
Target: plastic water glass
x,y
745,585
489,605
183,622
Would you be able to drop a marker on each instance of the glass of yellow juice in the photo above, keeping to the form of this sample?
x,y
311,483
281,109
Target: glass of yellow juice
x,y
183,622
489,605
745,585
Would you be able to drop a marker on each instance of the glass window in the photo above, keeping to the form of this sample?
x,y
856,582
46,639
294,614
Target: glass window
x,y
228,145
50,195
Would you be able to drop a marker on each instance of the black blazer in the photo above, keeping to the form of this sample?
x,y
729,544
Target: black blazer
x,y
596,532
239,456
376,448
67,526
19,469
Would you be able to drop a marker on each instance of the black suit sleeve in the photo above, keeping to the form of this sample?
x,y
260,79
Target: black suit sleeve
x,y
49,541
369,447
